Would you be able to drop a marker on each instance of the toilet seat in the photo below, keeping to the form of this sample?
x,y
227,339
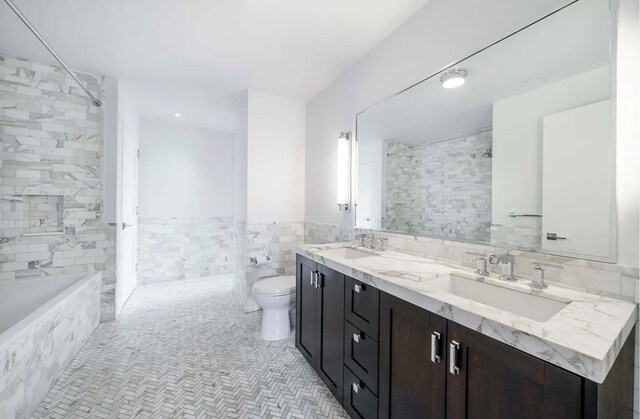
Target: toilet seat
x,y
276,286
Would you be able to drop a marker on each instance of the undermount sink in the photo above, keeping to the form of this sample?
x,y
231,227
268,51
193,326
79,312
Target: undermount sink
x,y
531,306
347,253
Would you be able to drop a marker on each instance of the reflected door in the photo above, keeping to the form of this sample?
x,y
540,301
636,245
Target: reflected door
x,y
577,186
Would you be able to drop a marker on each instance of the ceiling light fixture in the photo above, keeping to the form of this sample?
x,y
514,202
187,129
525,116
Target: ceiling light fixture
x,y
453,78
177,114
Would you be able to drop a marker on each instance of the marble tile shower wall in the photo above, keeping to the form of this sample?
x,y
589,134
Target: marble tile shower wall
x,y
442,188
171,249
51,140
277,241
617,281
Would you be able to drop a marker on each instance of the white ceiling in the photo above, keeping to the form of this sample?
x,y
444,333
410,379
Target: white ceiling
x,y
185,55
570,42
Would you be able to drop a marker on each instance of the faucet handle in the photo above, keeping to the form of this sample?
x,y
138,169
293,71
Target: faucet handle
x,y
538,273
381,242
481,263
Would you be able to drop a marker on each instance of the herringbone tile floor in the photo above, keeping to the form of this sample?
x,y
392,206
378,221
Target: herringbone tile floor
x,y
185,350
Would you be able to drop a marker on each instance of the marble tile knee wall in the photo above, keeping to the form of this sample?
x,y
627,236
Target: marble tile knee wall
x,y
276,240
184,248
52,149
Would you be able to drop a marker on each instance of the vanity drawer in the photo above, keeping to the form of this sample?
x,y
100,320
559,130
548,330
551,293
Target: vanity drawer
x,y
361,306
358,400
361,355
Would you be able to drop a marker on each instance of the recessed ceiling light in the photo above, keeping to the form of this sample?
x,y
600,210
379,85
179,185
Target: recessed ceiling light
x,y
177,114
453,78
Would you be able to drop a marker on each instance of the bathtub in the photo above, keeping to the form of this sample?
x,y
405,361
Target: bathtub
x,y
44,322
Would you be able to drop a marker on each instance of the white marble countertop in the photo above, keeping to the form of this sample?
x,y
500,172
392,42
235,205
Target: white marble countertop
x,y
584,337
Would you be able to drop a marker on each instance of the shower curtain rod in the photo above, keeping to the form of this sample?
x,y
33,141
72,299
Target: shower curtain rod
x,y
24,20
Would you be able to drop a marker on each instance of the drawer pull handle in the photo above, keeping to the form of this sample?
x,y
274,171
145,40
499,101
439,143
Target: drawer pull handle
x,y
357,337
435,348
356,288
454,348
356,387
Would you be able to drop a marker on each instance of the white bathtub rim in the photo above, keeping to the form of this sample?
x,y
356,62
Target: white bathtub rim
x,y
22,326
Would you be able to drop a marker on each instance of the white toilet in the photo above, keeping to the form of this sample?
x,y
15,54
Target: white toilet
x,y
276,296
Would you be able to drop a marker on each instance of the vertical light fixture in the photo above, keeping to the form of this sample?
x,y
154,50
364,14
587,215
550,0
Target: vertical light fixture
x,y
345,160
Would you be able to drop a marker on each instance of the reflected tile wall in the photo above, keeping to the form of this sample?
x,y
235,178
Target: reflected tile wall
x,y
441,188
51,144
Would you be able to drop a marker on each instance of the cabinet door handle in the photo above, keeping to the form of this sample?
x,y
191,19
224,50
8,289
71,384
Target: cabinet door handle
x,y
356,387
435,348
312,275
357,288
318,280
357,337
454,348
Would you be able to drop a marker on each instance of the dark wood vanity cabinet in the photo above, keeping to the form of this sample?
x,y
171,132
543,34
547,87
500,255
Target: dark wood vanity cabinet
x,y
320,321
383,357
488,379
412,361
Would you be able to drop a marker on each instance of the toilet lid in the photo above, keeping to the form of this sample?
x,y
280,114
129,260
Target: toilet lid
x,y
278,285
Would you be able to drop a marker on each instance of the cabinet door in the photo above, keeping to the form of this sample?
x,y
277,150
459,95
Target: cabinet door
x,y
412,384
494,380
330,329
306,309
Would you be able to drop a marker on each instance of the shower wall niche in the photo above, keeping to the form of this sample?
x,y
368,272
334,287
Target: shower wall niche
x,y
43,215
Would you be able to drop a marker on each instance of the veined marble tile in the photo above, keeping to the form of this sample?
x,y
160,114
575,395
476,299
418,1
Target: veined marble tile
x,y
42,155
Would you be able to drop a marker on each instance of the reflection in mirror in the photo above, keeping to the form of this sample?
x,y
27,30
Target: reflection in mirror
x,y
511,145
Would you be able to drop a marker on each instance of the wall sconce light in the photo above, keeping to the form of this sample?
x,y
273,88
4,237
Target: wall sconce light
x,y
345,167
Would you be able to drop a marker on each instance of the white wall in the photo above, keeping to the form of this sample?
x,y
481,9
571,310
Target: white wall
x,y
275,158
517,139
240,156
442,32
185,171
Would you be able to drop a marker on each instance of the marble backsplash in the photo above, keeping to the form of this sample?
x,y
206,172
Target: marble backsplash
x,y
173,248
51,150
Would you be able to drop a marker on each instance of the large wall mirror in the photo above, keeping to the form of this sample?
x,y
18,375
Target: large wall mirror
x,y
512,146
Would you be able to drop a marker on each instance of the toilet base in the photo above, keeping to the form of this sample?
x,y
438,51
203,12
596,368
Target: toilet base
x,y
275,323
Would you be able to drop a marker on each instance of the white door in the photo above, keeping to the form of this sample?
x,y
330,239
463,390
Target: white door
x,y
364,210
128,226
576,184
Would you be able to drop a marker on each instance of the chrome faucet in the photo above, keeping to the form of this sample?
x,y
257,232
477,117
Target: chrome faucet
x,y
507,263
381,242
366,240
481,263
538,274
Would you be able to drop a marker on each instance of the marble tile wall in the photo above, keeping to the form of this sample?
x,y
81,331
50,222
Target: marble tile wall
x,y
609,279
273,246
171,249
442,188
36,356
522,232
51,144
